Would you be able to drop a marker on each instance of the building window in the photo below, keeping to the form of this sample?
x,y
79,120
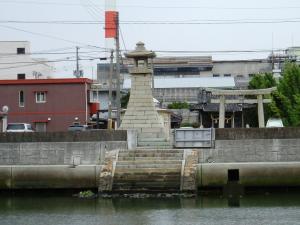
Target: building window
x,y
21,76
216,75
251,74
40,97
40,127
240,76
227,75
95,96
21,51
21,99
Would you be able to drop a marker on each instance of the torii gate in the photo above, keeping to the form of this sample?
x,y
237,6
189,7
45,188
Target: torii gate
x,y
257,92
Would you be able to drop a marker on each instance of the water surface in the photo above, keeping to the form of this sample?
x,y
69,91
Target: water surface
x,y
66,210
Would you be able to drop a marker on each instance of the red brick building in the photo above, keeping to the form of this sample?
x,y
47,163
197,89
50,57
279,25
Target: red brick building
x,y
48,104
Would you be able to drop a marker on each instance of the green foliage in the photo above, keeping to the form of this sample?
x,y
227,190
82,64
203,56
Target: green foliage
x,y
262,80
194,125
86,194
286,100
178,105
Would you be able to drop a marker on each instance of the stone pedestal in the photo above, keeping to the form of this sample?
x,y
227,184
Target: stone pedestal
x,y
141,113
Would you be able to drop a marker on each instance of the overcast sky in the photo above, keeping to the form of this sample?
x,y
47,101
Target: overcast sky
x,y
164,25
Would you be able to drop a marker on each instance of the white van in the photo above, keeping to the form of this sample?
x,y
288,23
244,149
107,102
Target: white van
x,y
19,127
274,122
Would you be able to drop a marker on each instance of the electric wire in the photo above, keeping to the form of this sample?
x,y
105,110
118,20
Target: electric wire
x,y
50,36
149,22
41,62
284,7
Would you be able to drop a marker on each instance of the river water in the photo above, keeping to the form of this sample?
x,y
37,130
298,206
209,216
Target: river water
x,y
66,210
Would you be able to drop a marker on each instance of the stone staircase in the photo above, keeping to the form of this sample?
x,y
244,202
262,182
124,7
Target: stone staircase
x,y
149,170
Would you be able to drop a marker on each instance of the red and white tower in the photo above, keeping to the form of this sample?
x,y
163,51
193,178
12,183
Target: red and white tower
x,y
111,23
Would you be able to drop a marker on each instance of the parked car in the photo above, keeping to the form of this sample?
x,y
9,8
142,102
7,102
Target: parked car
x,y
19,127
274,122
77,127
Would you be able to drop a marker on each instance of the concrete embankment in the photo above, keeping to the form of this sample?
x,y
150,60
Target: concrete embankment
x,y
49,177
249,174
208,176
249,157
69,148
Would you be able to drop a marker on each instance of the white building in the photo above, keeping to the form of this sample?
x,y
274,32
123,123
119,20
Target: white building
x,y
16,62
294,53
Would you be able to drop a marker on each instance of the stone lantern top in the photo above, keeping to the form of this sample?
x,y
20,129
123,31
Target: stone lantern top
x,y
140,52
140,56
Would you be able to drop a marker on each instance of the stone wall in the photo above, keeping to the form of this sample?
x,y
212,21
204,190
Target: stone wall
x,y
86,136
253,145
61,148
252,150
257,133
57,153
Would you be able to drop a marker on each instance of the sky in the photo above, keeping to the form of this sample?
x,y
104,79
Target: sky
x,y
169,27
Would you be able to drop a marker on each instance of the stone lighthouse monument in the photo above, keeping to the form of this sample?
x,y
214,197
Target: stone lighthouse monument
x,y
141,113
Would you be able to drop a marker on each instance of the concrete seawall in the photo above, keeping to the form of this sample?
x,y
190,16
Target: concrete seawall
x,y
49,177
256,157
57,153
253,145
249,174
62,148
208,176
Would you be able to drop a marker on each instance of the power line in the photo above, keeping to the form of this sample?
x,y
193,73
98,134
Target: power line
x,y
91,12
122,37
145,22
49,36
40,62
153,7
219,51
47,61
49,53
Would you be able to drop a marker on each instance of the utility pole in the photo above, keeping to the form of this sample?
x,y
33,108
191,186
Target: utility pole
x,y
77,59
111,70
118,102
77,73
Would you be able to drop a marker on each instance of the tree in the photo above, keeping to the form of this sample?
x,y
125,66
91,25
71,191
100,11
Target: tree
x,y
178,105
262,80
286,100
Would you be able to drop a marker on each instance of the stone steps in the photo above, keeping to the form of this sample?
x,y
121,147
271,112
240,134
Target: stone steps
x,y
151,154
166,162
148,170
147,184
151,150
159,144
147,165
133,158
140,177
